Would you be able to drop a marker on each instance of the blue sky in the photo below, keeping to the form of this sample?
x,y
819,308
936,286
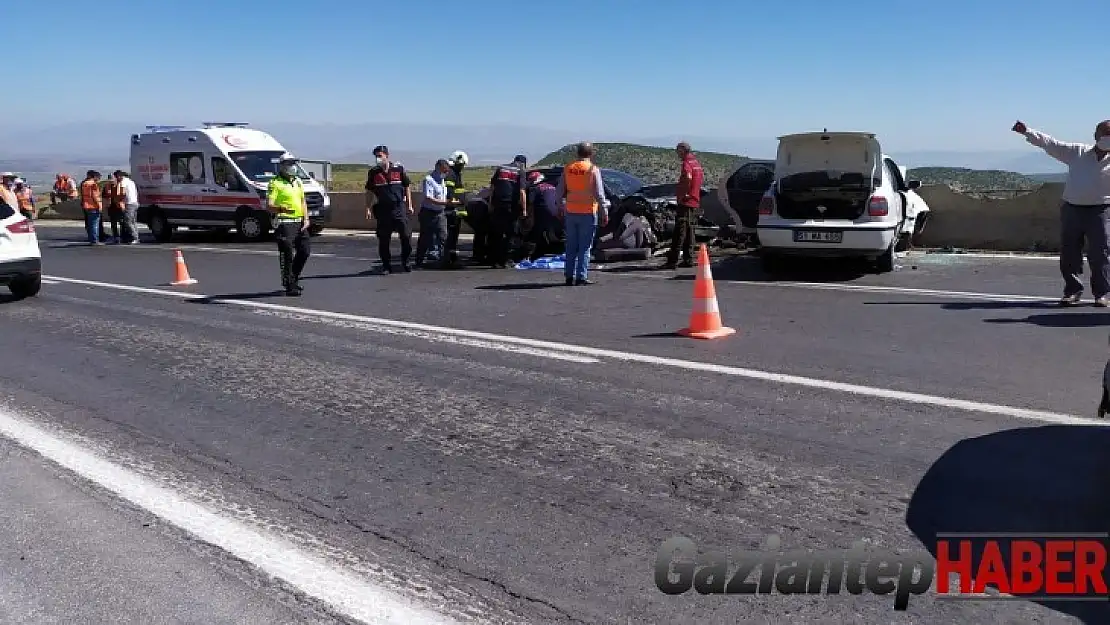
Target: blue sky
x,y
927,75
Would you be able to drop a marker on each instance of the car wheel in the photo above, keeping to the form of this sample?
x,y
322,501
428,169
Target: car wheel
x,y
885,263
26,287
160,227
252,226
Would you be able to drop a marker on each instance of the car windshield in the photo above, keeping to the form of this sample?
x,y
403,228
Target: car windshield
x,y
262,166
621,183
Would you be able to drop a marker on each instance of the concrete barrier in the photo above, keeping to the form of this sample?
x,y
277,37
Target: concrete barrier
x,y
1028,222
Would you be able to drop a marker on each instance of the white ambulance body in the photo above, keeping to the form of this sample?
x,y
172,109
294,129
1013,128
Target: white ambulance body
x,y
212,178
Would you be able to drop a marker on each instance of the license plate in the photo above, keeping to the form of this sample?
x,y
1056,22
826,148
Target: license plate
x,y
818,236
313,213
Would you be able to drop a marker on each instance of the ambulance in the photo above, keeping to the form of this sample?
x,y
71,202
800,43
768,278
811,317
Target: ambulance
x,y
213,178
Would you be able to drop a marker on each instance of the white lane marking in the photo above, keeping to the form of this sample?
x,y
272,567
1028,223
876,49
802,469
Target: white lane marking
x,y
345,592
866,288
49,281
432,337
740,372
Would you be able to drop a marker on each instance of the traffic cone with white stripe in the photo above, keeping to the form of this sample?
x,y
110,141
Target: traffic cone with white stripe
x,y
181,272
705,318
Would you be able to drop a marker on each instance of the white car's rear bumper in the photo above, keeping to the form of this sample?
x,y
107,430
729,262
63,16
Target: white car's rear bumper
x,y
19,269
856,239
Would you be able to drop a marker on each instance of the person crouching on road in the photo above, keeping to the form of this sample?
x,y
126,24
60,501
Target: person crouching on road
x,y
286,201
92,203
390,186
1085,213
433,220
543,206
690,179
583,205
507,203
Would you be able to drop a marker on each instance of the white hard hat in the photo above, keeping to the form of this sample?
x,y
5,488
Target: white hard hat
x,y
19,181
458,157
288,158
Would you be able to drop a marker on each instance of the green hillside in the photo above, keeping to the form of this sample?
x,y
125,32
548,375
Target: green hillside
x,y
963,179
651,164
658,165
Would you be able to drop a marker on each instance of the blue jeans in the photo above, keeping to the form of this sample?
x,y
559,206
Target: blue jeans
x,y
580,238
92,226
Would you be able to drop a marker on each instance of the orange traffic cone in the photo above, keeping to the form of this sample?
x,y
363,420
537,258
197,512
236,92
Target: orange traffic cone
x,y
181,272
705,318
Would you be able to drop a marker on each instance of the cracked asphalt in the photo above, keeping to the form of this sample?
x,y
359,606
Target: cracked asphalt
x,y
498,481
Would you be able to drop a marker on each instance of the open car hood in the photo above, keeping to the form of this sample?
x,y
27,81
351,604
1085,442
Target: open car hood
x,y
857,153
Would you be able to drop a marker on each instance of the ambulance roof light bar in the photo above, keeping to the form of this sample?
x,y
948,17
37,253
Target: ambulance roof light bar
x,y
164,128
226,124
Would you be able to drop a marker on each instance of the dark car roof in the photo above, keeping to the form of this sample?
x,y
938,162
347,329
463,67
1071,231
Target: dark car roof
x,y
554,172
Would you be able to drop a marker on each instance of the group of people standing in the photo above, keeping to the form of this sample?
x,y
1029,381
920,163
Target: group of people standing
x,y
118,199
571,210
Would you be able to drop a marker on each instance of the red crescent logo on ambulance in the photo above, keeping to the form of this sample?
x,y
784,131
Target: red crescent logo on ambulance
x,y
234,142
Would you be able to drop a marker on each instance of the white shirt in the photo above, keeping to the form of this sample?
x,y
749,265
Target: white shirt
x,y
1088,182
435,190
130,192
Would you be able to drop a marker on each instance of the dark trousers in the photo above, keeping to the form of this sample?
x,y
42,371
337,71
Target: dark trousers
x,y
683,241
93,227
451,243
387,225
502,221
1090,224
294,248
433,234
115,218
544,237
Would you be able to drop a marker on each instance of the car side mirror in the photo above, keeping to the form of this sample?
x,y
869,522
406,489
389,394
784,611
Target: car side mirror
x,y
913,184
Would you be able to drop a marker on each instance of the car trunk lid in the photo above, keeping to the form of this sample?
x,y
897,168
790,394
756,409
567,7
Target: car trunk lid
x,y
827,175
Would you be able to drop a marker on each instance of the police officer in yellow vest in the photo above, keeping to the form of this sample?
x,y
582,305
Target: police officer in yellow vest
x,y
286,202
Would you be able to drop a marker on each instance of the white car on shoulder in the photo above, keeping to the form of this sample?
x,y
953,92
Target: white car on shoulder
x,y
835,194
20,258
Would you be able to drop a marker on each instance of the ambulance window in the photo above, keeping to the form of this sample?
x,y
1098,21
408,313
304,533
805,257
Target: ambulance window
x,y
187,168
225,176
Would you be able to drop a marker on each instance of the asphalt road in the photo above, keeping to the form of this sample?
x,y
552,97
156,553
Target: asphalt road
x,y
492,446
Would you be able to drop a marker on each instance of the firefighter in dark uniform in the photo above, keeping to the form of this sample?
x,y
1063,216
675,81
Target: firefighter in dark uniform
x,y
389,190
285,200
507,204
456,213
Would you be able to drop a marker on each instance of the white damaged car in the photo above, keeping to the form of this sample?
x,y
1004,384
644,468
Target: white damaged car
x,y
835,194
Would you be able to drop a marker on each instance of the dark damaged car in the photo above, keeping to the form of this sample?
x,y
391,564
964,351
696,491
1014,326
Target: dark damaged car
x,y
626,193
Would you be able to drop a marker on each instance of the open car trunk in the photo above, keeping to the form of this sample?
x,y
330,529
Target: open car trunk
x,y
826,175
823,195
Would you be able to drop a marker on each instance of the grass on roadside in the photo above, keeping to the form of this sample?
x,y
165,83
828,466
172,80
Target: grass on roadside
x,y
352,177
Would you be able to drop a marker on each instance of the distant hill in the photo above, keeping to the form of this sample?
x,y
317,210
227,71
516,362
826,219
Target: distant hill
x,y
658,165
963,179
1057,177
653,165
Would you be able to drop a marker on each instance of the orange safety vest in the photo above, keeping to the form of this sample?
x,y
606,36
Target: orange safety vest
x,y
25,199
90,195
579,177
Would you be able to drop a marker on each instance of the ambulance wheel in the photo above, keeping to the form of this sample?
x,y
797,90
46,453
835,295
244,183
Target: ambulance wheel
x,y
252,225
160,227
